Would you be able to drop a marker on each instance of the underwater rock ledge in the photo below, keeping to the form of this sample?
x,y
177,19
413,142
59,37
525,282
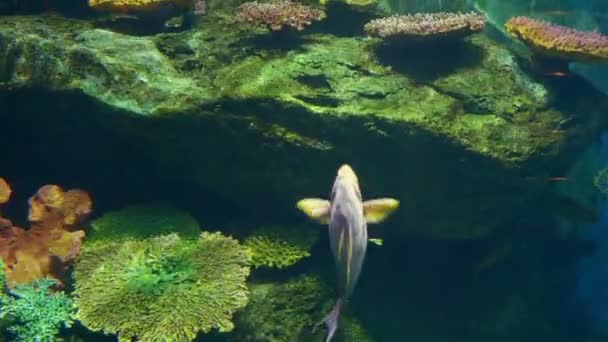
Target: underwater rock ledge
x,y
459,134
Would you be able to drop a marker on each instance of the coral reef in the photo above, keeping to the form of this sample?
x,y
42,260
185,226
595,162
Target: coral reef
x,y
54,239
162,288
35,312
142,221
179,100
278,15
283,311
426,25
281,246
560,42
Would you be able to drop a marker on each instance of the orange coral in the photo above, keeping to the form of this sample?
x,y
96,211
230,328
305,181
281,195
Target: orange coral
x,y
560,42
52,242
5,191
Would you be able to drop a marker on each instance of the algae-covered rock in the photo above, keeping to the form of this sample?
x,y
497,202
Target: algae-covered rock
x,y
283,311
280,246
458,133
162,288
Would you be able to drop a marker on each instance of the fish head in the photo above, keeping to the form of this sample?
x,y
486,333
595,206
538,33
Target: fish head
x,y
346,180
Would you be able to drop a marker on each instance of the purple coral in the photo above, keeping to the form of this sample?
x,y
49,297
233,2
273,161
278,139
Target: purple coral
x,y
426,25
278,15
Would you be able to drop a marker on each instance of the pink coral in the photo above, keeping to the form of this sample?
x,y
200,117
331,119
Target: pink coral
x,y
278,15
426,25
560,42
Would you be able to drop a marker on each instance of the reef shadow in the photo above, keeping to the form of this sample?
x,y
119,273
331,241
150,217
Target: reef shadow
x,y
426,61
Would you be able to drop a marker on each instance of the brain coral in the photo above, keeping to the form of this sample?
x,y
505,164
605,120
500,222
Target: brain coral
x,y
163,288
280,247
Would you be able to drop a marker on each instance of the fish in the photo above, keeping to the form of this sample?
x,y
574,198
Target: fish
x,y
347,216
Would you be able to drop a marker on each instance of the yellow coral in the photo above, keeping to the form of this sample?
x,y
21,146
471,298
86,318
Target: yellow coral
x,y
138,5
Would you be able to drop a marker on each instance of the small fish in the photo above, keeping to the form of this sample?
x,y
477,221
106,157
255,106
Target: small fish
x,y
347,216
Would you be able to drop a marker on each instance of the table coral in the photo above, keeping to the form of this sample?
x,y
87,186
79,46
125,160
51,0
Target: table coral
x,y
139,5
163,288
278,15
279,246
559,42
426,25
53,241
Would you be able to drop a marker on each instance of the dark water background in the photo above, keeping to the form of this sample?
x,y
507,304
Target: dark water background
x,y
551,286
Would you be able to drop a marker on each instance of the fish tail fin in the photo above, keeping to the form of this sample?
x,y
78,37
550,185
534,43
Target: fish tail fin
x,y
331,320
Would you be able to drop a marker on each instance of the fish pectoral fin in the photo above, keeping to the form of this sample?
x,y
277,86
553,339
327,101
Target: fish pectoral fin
x,y
376,241
377,210
315,208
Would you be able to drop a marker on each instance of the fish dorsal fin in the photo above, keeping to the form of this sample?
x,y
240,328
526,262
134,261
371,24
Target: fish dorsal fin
x,y
377,210
376,241
315,208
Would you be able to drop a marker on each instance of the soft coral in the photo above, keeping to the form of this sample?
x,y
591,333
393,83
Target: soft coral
x,y
52,242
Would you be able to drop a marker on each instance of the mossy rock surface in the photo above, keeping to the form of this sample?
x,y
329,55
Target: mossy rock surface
x,y
458,133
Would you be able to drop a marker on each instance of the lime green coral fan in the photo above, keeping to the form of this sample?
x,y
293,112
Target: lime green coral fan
x,y
162,288
143,221
280,247
35,312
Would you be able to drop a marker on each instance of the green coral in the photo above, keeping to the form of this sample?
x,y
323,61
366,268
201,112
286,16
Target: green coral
x,y
283,312
353,331
163,288
143,221
36,313
2,277
601,181
281,246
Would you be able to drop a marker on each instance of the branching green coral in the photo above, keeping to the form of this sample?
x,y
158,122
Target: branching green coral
x,y
162,288
143,221
283,312
36,312
280,247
